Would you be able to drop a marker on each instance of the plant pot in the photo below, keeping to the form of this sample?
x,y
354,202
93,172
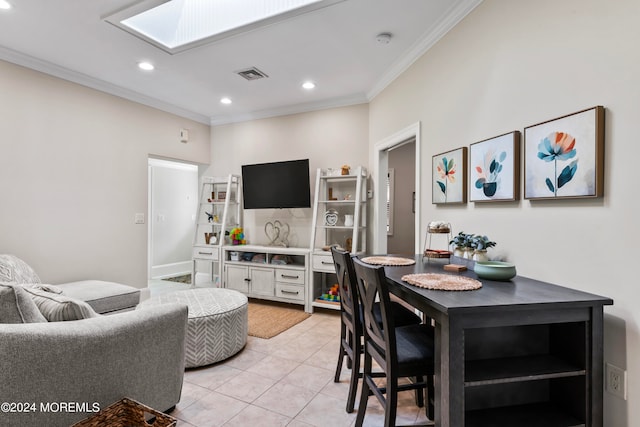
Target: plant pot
x,y
468,253
458,251
480,255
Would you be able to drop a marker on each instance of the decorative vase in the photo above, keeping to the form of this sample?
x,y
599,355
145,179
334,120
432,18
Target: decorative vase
x,y
348,220
480,255
468,253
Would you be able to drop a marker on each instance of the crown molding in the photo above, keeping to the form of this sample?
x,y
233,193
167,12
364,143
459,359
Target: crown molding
x,y
457,12
426,42
52,69
290,109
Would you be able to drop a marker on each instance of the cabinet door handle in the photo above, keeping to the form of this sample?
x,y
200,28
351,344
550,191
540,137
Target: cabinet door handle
x,y
327,263
288,276
205,253
290,292
247,280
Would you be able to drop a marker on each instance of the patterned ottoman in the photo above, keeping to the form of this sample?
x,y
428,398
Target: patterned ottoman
x,y
218,323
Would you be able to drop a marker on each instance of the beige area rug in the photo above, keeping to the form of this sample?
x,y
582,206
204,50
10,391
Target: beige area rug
x,y
267,319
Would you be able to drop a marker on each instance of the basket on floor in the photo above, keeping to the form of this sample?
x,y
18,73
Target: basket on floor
x,y
128,413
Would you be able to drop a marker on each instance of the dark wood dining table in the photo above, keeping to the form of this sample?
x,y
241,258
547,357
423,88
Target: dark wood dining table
x,y
521,352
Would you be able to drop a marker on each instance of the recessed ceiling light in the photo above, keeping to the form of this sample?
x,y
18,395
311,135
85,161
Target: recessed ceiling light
x,y
225,100
146,66
308,85
4,4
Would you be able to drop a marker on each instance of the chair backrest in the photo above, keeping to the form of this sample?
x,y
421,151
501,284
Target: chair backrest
x,y
379,339
348,289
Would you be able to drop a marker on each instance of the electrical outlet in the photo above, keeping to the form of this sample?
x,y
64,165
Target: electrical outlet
x,y
616,381
139,218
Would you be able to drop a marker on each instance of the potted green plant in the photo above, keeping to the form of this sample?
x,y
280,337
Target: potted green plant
x,y
461,243
480,244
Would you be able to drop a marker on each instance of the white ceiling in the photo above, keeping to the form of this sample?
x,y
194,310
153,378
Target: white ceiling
x,y
335,47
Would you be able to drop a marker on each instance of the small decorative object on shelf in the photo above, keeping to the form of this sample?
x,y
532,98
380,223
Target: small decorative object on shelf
x,y
277,233
348,220
348,244
331,217
345,169
237,236
331,194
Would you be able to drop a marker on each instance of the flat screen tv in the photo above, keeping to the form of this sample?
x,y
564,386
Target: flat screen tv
x,y
276,185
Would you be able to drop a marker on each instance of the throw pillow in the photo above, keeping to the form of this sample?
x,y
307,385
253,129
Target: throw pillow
x,y
16,306
44,287
58,307
15,270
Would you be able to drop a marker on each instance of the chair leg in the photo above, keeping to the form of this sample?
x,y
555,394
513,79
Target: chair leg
x,y
391,404
364,394
419,392
341,355
355,373
351,344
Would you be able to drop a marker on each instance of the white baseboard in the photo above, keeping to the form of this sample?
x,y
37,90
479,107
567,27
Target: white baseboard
x,y
171,270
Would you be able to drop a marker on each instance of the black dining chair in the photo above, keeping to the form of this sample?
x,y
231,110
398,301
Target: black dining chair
x,y
351,332
400,351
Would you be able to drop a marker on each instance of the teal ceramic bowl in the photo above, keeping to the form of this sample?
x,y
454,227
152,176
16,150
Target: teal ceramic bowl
x,y
495,270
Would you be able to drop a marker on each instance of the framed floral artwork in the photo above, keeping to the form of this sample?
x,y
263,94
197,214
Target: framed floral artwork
x,y
450,177
495,168
564,157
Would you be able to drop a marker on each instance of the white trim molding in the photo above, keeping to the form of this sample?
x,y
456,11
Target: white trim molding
x,y
379,177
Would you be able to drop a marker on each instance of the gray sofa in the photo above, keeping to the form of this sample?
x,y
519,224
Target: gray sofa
x,y
103,297
137,354
55,373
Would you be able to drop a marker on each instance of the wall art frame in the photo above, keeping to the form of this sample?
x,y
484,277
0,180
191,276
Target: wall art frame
x,y
564,157
449,177
494,168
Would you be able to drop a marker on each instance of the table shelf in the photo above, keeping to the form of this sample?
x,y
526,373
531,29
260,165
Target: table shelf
x,y
516,369
533,415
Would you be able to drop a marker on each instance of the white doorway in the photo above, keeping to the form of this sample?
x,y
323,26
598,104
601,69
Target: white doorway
x,y
381,168
173,198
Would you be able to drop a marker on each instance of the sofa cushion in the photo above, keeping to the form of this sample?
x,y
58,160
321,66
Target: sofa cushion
x,y
15,270
58,307
104,297
16,306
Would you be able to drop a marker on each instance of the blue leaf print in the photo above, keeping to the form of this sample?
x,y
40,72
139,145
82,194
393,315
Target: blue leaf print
x,y
549,184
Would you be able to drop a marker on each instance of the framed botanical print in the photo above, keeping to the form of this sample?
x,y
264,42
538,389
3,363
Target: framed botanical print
x,y
564,157
449,176
495,169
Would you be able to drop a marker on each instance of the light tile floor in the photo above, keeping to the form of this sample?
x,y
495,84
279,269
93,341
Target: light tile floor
x,y
283,381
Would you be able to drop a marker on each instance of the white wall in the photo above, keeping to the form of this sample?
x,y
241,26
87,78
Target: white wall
x,y
173,208
328,138
515,63
73,173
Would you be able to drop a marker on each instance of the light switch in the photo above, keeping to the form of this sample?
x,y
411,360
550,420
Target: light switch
x,y
139,219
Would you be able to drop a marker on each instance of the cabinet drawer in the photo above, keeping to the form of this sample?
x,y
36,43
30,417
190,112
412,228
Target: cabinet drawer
x,y
289,276
206,252
323,263
285,290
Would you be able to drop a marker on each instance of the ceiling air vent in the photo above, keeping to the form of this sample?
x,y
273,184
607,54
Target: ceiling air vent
x,y
252,74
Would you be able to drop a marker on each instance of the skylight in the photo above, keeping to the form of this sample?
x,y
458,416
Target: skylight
x,y
177,25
